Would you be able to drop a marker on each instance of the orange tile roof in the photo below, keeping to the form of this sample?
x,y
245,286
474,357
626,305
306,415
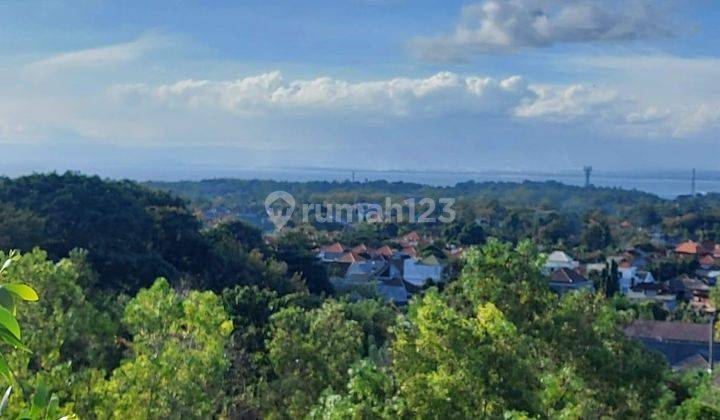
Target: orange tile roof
x,y
688,247
385,251
707,260
350,257
409,250
336,247
360,249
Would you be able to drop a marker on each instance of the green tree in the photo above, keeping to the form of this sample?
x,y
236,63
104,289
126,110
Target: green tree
x,y
293,248
471,234
368,396
309,351
596,232
508,277
70,340
177,361
454,365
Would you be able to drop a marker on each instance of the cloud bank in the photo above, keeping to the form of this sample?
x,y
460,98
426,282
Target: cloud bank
x,y
508,25
439,94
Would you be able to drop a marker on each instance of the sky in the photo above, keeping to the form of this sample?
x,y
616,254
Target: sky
x,y
123,87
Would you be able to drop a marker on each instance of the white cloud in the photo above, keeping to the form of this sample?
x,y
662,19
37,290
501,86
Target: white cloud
x,y
439,94
671,96
569,102
502,25
103,56
705,120
614,109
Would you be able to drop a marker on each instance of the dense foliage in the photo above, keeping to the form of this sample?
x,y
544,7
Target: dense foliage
x,y
242,327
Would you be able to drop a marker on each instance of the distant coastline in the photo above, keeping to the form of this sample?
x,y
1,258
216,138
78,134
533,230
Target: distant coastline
x,y
666,184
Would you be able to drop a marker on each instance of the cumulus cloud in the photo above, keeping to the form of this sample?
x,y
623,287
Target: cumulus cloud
x,y
509,100
569,102
442,93
506,25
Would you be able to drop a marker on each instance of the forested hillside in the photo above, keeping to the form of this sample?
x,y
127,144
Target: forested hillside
x,y
145,313
248,194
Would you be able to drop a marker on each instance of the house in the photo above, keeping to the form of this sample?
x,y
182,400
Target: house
x,y
360,273
708,261
393,290
557,260
360,249
393,270
630,276
590,268
653,292
688,248
349,258
364,271
384,251
708,276
564,279
687,288
331,253
678,342
418,272
409,251
696,248
454,252
410,239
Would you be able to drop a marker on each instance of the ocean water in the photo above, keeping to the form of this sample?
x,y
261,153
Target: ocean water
x,y
663,185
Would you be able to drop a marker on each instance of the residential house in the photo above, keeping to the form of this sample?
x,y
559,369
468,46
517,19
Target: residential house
x,y
687,288
331,253
410,239
678,342
696,248
653,292
394,290
363,271
557,260
384,251
409,251
630,276
688,248
564,279
418,272
360,249
708,261
708,276
694,291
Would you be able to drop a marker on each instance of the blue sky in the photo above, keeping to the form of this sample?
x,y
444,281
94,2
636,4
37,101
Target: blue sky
x,y
375,84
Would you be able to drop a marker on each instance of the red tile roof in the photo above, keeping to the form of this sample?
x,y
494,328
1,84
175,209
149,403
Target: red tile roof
x,y
350,257
688,247
336,247
385,251
707,260
360,249
409,250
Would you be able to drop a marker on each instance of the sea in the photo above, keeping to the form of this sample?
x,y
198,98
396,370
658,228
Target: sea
x,y
664,184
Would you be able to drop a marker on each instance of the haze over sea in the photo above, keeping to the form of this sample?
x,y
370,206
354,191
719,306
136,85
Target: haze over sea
x,y
663,184
666,184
